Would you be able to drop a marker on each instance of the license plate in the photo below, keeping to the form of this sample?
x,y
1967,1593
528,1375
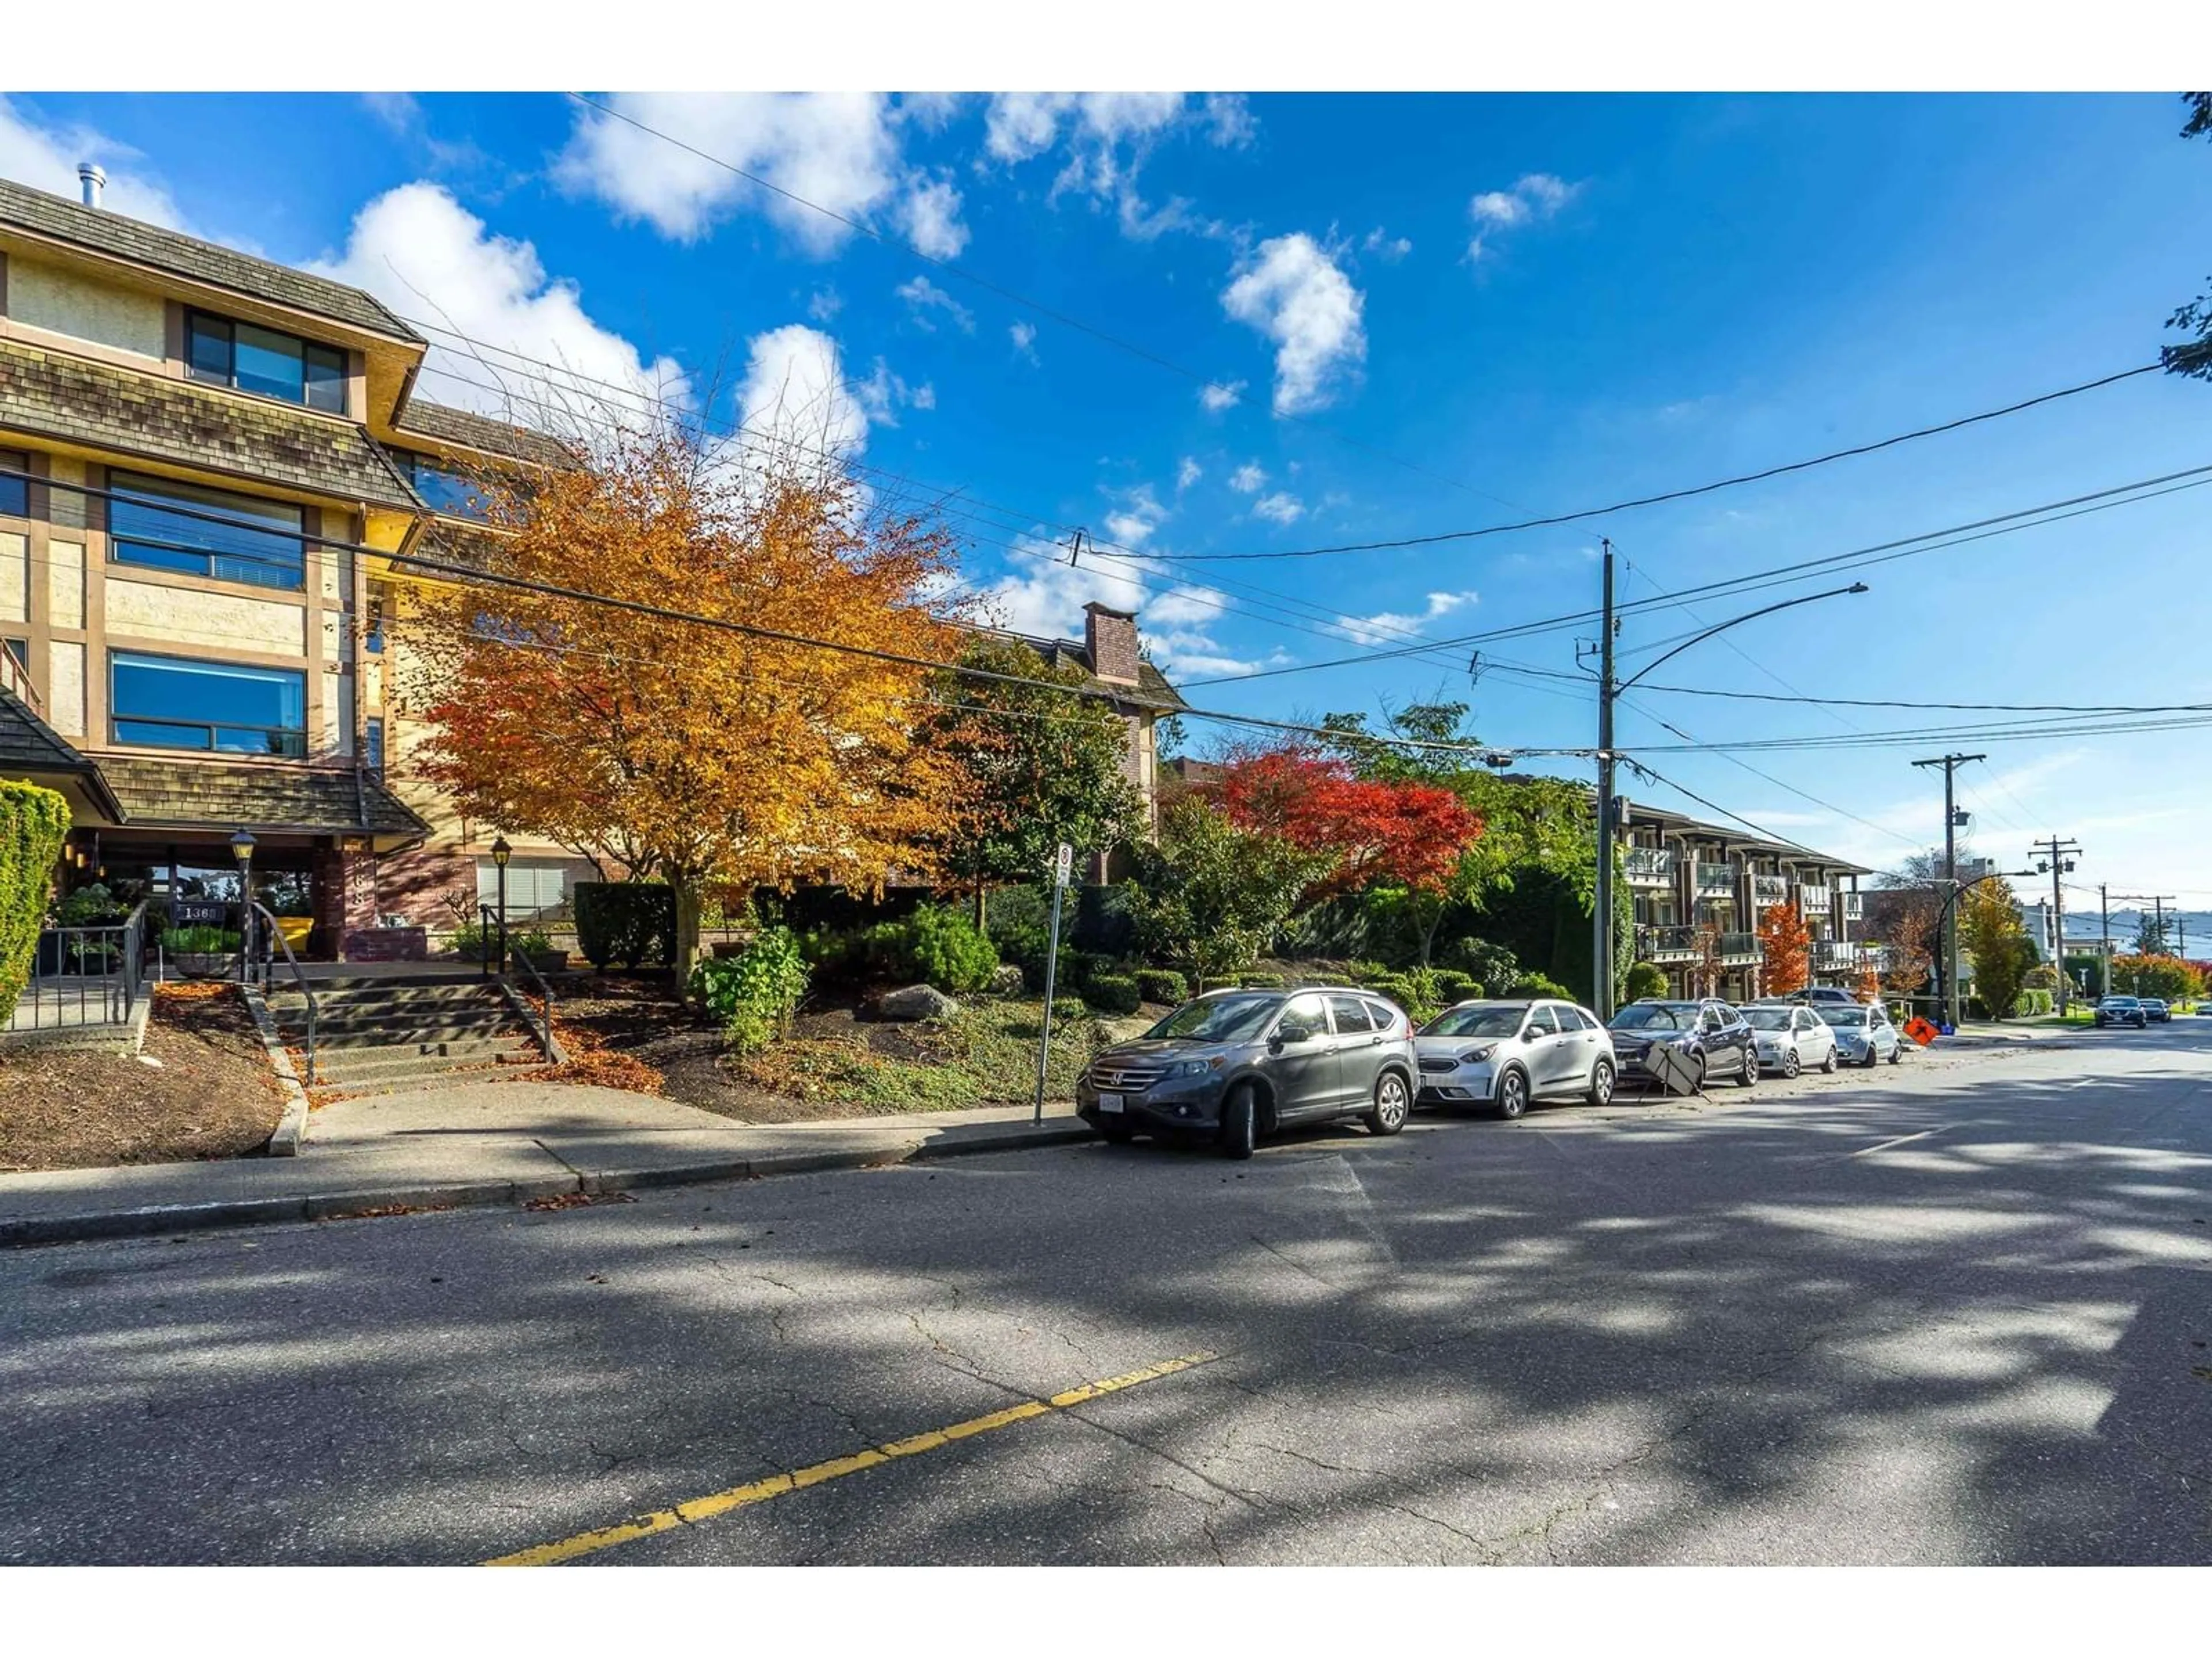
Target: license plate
x,y
1110,1103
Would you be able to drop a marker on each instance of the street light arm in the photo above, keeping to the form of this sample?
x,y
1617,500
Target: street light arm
x,y
1748,615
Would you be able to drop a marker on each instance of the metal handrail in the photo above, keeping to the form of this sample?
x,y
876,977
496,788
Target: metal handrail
x,y
273,931
116,946
543,1031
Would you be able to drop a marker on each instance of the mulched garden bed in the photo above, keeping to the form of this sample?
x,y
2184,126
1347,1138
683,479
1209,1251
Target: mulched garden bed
x,y
212,1096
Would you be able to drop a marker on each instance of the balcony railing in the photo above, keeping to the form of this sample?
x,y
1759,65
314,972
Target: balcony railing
x,y
1816,901
1670,942
1715,881
84,977
1770,890
1650,866
15,678
1854,905
1737,948
1834,955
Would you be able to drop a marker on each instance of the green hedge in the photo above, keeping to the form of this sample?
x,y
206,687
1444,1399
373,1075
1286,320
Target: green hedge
x,y
33,823
1453,986
630,922
936,945
1535,985
1112,994
1645,979
1161,985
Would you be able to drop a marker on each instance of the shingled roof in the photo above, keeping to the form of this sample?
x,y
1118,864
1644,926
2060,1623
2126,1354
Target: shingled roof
x,y
98,231
31,748
78,400
1151,691
438,423
251,797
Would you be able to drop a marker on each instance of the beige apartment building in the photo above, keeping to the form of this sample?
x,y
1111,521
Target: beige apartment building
x,y
208,463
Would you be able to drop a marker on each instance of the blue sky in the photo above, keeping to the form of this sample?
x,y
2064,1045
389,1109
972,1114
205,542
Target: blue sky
x,y
1417,313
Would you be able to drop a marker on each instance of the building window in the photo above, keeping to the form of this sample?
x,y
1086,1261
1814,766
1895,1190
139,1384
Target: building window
x,y
20,650
255,541
260,360
172,703
446,489
15,493
532,887
371,746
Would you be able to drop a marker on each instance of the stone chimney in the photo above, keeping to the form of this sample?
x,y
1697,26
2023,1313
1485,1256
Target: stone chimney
x,y
1110,636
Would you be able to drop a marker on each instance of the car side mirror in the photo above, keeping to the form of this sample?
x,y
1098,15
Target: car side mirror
x,y
1291,1032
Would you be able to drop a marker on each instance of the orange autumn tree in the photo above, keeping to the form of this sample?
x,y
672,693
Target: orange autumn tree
x,y
714,759
1788,944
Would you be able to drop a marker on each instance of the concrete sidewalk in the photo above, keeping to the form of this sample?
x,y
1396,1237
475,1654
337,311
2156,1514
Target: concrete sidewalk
x,y
494,1143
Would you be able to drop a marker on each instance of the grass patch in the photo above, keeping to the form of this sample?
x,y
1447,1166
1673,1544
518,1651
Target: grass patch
x,y
985,1054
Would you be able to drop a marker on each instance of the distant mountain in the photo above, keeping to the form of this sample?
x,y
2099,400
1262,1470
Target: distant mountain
x,y
2190,929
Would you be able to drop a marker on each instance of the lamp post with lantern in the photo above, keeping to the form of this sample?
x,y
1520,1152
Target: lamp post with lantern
x,y
241,848
500,852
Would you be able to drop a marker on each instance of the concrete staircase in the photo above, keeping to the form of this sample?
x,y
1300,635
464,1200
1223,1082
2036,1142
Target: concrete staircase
x,y
377,1036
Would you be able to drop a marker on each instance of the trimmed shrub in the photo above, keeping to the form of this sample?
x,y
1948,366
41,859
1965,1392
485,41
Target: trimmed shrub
x,y
1644,980
1161,985
2041,977
1069,1011
937,946
1493,965
1366,973
755,993
1453,986
200,941
1262,981
1535,985
627,922
2034,1004
34,824
1112,994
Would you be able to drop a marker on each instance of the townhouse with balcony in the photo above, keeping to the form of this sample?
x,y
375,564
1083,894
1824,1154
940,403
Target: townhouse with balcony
x,y
1699,890
209,464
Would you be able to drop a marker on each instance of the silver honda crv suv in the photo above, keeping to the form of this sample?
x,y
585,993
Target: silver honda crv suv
x,y
1233,1065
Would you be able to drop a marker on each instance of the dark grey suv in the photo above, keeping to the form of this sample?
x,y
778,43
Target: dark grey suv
x,y
1234,1065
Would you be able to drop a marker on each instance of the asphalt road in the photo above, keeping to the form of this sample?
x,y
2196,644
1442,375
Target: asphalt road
x,y
1955,1311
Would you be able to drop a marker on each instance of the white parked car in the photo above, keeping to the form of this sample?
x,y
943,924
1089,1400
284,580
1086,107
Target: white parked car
x,y
1506,1054
1791,1036
1864,1036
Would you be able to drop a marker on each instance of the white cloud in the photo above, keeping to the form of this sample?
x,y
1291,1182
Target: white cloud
x,y
1023,335
1188,473
1246,479
1293,292
839,150
1281,507
930,213
1392,628
1534,195
923,296
1104,139
795,391
399,111
1386,247
925,396
1043,596
1140,514
1219,396
1229,120
932,110
882,394
45,156
426,256
826,305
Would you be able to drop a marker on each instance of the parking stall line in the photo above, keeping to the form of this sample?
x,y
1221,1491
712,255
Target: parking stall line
x,y
775,1485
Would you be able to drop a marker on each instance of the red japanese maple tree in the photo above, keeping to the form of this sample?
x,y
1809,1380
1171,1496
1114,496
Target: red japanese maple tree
x,y
1405,834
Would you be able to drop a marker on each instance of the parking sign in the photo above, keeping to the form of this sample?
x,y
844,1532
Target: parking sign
x,y
1062,864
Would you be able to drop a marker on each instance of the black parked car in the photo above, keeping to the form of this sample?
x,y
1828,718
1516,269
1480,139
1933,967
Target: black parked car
x,y
2122,1010
1718,1040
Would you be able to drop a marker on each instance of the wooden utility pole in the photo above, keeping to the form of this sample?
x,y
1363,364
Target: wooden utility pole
x,y
2054,860
1951,763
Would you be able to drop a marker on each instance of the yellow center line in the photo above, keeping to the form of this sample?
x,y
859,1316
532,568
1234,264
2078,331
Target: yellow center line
x,y
760,1492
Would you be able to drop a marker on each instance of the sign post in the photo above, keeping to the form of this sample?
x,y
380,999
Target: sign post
x,y
1062,864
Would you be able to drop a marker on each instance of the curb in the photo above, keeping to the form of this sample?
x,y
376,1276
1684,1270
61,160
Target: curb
x,y
449,1195
290,1139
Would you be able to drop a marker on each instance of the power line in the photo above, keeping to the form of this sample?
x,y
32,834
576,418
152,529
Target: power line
x,y
1433,537
1879,553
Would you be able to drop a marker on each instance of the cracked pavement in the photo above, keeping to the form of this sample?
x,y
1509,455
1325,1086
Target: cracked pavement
x,y
1747,1329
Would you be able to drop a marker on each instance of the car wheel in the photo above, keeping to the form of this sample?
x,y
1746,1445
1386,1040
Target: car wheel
x,y
1116,1134
1749,1074
1601,1084
1897,1055
1828,1060
1512,1093
1791,1065
1391,1103
1698,1077
1240,1122
1873,1059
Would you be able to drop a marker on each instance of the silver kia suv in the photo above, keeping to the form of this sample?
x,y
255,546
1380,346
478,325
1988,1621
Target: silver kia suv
x,y
1233,1065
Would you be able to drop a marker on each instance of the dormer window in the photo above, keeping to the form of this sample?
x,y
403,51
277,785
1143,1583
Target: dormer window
x,y
260,360
446,489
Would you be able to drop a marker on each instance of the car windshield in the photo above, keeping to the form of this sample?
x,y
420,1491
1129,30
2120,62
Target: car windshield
x,y
1218,1019
1769,1019
1478,1021
1843,1016
2121,1002
1655,1016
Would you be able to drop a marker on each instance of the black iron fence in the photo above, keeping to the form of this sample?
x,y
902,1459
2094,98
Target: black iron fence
x,y
91,975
